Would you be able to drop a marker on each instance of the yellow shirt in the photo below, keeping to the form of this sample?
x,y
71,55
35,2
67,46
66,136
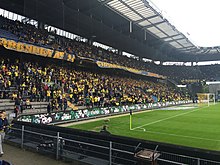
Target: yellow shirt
x,y
48,93
16,74
9,73
9,83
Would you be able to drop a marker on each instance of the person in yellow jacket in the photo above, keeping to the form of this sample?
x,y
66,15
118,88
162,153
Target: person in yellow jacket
x,y
14,96
71,97
48,95
96,101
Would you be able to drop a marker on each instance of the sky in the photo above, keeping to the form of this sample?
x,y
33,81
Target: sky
x,y
199,18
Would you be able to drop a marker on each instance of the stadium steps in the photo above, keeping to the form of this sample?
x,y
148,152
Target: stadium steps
x,y
86,159
5,100
9,105
37,107
13,88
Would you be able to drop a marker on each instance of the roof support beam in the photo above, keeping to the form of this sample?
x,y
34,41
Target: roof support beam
x,y
130,29
176,39
145,19
145,35
188,48
153,24
104,2
130,8
170,36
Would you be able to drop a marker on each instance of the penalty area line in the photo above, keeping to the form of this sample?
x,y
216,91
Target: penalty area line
x,y
157,121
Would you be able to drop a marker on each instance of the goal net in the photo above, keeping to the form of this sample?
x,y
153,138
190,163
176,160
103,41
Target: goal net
x,y
206,98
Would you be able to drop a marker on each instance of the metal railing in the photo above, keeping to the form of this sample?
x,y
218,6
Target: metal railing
x,y
76,147
183,159
62,147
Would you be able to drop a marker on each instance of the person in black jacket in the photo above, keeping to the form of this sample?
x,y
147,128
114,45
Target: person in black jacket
x,y
5,124
104,131
48,107
2,127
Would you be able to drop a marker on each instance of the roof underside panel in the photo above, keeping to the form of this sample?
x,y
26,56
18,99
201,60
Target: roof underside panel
x,y
177,37
144,23
175,44
145,16
156,19
110,26
157,32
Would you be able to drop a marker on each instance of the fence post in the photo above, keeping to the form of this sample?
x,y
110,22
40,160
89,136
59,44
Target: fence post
x,y
22,136
198,161
110,153
58,145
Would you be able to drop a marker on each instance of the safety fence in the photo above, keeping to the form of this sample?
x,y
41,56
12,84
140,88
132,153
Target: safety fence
x,y
94,148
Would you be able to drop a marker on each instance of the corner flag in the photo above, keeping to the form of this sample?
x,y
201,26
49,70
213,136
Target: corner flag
x,y
130,119
130,112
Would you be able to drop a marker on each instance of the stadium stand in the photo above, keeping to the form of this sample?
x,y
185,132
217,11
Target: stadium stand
x,y
30,34
24,81
35,84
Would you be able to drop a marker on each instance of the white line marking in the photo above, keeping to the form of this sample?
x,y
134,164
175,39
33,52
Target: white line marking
x,y
170,134
157,121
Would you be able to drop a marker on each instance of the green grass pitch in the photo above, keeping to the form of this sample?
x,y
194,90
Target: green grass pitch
x,y
197,127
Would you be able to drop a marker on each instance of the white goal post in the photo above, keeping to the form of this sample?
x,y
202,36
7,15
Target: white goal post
x,y
206,98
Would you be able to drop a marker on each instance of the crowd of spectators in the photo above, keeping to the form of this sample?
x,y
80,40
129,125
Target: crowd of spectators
x,y
59,84
31,34
180,72
190,73
26,32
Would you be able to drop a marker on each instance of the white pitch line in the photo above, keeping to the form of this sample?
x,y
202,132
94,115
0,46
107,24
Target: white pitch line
x,y
184,136
157,121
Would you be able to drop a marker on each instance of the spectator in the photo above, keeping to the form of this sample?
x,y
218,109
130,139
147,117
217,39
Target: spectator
x,y
104,131
5,123
28,104
49,107
2,128
65,104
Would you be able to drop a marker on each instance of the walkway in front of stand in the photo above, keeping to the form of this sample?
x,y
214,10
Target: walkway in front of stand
x,y
17,156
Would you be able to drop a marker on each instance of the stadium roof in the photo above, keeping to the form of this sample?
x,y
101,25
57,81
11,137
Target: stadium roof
x,y
150,18
133,26
143,15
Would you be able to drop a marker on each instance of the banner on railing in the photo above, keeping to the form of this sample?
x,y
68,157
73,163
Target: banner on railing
x,y
61,116
136,71
37,50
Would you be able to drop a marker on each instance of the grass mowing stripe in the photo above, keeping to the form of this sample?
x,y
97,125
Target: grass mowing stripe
x,y
157,121
184,136
199,129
